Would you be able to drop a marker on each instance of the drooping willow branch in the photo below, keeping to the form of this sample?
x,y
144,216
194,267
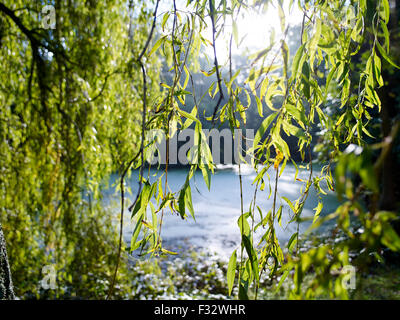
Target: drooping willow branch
x,y
178,74
141,151
241,211
144,76
219,80
121,223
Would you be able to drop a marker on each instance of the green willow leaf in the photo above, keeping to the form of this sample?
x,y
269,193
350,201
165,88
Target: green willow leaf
x,y
156,46
289,203
296,65
235,32
252,256
206,175
188,201
318,210
292,242
263,128
259,106
231,272
385,56
243,225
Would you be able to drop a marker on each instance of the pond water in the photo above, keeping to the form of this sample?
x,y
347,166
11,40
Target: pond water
x,y
218,209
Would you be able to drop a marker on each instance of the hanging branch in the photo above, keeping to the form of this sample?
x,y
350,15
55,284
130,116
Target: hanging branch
x,y
121,223
178,75
37,61
214,31
144,76
150,34
141,153
30,34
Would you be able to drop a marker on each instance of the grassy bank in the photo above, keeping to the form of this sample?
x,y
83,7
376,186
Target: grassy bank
x,y
198,275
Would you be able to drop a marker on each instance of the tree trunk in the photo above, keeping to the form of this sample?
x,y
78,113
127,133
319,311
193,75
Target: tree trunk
x,y
387,198
388,113
6,287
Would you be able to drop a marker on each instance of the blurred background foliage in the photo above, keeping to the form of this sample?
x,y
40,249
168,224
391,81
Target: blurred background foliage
x,y
70,116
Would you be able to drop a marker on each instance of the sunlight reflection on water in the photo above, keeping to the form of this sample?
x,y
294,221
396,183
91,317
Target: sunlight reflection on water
x,y
215,229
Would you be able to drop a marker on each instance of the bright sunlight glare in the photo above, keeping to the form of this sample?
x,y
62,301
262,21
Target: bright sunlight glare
x,y
254,29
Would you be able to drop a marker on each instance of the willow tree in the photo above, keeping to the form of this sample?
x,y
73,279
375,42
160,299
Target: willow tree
x,y
71,97
320,73
78,101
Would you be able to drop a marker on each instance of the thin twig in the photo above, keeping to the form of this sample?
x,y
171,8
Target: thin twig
x,y
221,94
150,34
139,60
144,76
121,224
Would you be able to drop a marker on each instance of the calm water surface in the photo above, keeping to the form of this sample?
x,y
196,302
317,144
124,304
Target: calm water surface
x,y
215,229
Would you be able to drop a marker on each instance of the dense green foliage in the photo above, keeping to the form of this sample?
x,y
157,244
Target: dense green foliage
x,y
78,100
70,115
